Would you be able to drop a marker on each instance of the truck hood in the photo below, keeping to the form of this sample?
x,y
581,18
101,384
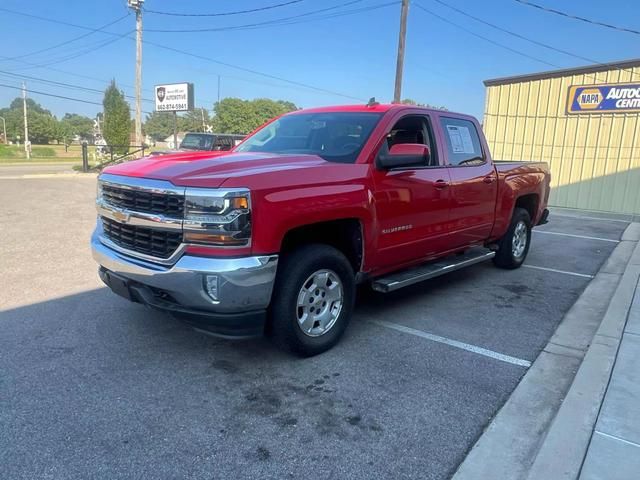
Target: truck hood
x,y
212,169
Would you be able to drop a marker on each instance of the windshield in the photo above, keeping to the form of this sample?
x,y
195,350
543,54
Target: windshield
x,y
197,141
334,136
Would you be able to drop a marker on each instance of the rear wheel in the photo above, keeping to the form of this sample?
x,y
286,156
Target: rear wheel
x,y
514,245
313,300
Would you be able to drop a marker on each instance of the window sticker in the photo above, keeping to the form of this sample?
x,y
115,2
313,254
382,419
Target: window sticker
x,y
460,139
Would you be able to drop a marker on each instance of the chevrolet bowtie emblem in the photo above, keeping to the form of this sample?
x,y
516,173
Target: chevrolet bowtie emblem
x,y
121,217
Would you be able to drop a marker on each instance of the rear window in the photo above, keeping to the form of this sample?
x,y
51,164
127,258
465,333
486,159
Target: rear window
x,y
196,141
463,142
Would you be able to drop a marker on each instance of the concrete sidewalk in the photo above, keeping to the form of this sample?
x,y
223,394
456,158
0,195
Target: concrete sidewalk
x,y
596,432
614,450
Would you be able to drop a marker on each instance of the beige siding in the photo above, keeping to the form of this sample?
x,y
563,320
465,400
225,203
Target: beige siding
x,y
594,158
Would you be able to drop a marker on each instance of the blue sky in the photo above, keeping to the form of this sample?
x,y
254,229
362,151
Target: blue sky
x,y
352,54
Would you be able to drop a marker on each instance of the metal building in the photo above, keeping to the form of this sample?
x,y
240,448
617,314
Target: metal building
x,y
585,122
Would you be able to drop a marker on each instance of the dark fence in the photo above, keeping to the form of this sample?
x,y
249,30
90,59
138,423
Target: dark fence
x,y
113,157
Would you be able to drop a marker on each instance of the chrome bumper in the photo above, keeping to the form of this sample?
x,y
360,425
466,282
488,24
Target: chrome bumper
x,y
244,284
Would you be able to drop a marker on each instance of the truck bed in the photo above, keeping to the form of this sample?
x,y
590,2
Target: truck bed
x,y
512,166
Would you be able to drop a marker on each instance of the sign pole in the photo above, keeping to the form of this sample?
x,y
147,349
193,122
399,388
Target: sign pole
x,y
175,129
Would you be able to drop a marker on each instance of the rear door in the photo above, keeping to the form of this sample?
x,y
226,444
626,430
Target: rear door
x,y
412,203
473,182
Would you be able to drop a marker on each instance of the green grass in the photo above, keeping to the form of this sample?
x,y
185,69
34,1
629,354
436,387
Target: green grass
x,y
16,152
34,160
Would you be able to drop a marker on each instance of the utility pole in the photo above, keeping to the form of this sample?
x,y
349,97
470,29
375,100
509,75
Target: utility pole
x,y
218,88
27,150
4,129
136,5
397,93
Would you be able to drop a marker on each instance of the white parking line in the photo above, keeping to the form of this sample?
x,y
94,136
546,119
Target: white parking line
x,y
617,438
583,275
581,217
454,343
578,236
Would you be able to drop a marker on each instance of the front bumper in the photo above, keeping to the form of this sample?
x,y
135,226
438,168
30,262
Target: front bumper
x,y
244,289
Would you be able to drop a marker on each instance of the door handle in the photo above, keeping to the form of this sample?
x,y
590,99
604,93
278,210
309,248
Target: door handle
x,y
440,184
489,179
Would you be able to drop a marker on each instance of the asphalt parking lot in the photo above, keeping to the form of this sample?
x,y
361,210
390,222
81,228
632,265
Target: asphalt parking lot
x,y
92,386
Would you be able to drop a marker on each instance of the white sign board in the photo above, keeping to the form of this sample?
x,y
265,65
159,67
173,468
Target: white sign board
x,y
175,97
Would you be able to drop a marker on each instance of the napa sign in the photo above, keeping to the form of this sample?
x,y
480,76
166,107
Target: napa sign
x,y
616,98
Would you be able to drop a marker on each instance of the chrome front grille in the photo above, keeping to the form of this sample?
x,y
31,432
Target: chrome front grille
x,y
147,241
145,201
143,217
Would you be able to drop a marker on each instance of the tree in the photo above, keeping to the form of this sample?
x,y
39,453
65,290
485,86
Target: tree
x,y
117,119
73,124
42,123
410,101
234,115
158,125
192,121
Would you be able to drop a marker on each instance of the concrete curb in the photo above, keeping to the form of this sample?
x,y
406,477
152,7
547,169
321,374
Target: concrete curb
x,y
509,446
565,446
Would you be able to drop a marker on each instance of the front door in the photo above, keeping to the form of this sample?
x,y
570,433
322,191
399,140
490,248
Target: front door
x,y
412,204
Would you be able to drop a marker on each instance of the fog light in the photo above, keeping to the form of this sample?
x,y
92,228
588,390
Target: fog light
x,y
211,286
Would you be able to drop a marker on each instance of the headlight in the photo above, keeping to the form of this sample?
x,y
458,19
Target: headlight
x,y
217,217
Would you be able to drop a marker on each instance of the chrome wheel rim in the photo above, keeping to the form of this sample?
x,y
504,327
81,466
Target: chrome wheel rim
x,y
519,241
320,302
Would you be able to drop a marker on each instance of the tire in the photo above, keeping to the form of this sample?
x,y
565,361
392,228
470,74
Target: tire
x,y
511,252
308,321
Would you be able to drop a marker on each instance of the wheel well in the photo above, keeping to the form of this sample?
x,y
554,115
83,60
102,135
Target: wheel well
x,y
344,235
529,203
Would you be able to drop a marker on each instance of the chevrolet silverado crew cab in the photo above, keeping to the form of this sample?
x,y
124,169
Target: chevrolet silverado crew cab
x,y
274,236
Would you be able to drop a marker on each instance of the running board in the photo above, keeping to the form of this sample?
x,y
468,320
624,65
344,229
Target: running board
x,y
413,275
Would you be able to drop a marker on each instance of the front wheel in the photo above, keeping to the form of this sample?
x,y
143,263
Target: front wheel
x,y
514,245
312,300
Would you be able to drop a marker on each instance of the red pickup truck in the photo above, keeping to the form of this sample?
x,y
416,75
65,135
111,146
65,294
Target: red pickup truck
x,y
274,236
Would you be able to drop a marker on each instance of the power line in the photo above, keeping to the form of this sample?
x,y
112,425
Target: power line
x,y
46,94
52,95
486,39
91,32
249,70
66,72
201,57
576,17
222,14
63,84
276,21
343,13
83,51
128,86
527,39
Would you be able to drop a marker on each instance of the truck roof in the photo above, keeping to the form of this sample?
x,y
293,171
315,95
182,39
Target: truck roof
x,y
379,107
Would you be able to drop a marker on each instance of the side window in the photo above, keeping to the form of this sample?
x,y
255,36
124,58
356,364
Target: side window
x,y
463,143
221,143
413,129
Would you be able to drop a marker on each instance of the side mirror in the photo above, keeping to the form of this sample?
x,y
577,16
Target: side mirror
x,y
404,155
